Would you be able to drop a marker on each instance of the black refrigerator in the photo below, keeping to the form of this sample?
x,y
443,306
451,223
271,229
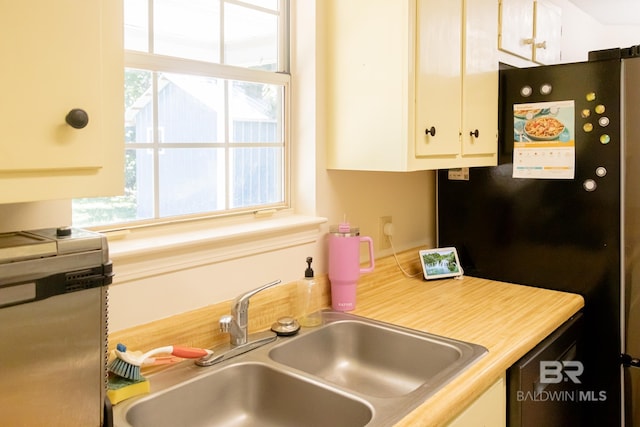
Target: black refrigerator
x,y
561,210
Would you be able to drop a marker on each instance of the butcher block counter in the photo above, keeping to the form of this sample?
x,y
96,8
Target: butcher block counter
x,y
507,319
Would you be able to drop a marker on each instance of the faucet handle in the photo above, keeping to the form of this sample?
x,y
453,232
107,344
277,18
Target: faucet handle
x,y
242,301
225,323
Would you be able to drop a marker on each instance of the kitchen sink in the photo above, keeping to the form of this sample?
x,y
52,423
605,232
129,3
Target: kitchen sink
x,y
375,360
351,371
249,394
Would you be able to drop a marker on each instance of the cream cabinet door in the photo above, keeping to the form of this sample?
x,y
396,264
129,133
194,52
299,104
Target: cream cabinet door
x,y
438,78
548,33
58,56
490,409
394,84
368,82
479,130
516,27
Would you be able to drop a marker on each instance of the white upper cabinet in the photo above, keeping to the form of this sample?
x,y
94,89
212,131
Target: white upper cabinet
x,y
480,81
439,78
548,33
516,27
531,29
408,83
61,56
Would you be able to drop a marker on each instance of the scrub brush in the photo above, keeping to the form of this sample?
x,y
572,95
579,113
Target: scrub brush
x,y
127,363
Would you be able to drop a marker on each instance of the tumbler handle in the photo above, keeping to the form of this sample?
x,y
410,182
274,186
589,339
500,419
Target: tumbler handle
x,y
371,262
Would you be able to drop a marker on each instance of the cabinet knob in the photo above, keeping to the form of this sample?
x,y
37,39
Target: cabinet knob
x,y
541,45
475,133
63,231
430,131
77,118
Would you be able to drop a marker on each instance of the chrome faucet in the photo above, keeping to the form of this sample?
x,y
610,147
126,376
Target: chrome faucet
x,y
236,324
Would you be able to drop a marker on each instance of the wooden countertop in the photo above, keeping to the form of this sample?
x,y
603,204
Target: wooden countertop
x,y
507,319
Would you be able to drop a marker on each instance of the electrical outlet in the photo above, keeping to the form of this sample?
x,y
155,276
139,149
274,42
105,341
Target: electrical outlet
x,y
383,240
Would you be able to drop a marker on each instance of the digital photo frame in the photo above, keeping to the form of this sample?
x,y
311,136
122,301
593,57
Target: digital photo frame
x,y
440,263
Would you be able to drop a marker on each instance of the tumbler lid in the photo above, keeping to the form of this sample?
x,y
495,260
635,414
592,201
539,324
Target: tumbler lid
x,y
344,229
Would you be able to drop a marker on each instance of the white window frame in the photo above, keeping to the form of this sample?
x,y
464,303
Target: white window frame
x,y
157,63
146,252
166,64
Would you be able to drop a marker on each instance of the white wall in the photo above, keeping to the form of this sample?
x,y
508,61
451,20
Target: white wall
x,y
582,33
619,36
31,216
362,196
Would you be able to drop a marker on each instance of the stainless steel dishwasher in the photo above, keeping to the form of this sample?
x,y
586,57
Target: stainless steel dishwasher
x,y
53,327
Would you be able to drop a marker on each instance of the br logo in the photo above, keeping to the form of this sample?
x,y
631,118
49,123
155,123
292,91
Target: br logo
x,y
554,372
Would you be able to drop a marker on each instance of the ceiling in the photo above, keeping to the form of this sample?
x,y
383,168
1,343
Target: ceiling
x,y
612,12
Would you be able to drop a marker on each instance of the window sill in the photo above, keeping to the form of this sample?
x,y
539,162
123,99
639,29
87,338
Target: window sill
x,y
139,254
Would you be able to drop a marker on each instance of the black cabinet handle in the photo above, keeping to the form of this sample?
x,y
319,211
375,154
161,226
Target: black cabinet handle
x,y
474,133
430,131
77,118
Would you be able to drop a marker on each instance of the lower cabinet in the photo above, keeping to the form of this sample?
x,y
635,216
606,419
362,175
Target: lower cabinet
x,y
488,410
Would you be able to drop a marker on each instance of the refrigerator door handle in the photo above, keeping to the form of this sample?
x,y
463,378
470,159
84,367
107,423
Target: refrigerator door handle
x,y
627,361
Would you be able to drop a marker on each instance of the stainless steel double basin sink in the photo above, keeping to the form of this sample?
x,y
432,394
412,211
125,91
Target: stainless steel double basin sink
x,y
351,371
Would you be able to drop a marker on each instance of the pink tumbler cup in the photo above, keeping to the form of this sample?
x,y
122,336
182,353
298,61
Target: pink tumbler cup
x,y
344,264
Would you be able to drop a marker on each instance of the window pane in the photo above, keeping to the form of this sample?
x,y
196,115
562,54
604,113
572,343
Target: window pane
x,y
187,30
136,25
138,106
135,204
198,139
250,38
191,180
256,176
190,109
139,182
255,111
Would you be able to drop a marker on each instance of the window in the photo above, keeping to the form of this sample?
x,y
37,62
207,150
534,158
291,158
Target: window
x,y
206,98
